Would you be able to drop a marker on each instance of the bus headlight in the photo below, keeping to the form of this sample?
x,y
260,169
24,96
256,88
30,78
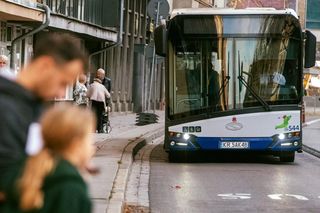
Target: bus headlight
x,y
186,136
281,136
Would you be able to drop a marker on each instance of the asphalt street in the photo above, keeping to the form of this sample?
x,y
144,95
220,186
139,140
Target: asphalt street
x,y
234,183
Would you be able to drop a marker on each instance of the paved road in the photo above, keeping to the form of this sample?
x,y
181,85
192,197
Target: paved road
x,y
244,184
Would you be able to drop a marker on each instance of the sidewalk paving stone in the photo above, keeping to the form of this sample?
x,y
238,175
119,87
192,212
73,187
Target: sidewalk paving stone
x,y
110,148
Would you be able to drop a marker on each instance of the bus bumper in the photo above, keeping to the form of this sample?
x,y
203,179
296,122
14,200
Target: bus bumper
x,y
278,143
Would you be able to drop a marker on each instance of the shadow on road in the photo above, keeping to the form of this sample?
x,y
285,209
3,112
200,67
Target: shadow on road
x,y
159,155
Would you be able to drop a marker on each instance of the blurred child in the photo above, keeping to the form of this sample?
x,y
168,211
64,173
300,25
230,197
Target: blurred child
x,y
51,180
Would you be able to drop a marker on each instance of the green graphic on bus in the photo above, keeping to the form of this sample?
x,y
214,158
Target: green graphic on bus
x,y
285,123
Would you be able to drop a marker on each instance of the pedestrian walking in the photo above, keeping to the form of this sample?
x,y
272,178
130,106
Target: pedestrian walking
x,y
80,91
56,63
98,94
101,74
105,80
51,180
4,67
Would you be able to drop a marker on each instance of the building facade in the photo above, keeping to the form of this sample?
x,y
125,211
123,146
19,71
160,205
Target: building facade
x,y
312,21
23,21
191,3
119,62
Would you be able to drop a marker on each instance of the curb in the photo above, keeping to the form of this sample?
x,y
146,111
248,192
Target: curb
x,y
311,151
137,193
307,148
117,195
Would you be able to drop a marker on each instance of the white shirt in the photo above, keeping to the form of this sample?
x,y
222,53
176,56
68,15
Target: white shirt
x,y
7,73
98,92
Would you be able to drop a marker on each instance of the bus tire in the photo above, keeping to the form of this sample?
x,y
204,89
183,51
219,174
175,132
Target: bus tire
x,y
173,157
287,157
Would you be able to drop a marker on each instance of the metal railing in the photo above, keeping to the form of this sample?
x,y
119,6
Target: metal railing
x,y
102,13
91,11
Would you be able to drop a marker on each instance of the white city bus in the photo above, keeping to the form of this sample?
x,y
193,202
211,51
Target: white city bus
x,y
234,80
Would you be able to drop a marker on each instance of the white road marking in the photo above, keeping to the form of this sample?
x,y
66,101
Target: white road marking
x,y
235,196
279,196
311,122
299,197
275,196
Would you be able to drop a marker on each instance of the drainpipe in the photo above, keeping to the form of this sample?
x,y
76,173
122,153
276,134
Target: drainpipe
x,y
119,39
45,23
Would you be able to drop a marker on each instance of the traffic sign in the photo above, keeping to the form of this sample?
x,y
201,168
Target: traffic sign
x,y
163,8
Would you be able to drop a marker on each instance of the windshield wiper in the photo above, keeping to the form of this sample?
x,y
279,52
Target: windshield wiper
x,y
221,90
255,95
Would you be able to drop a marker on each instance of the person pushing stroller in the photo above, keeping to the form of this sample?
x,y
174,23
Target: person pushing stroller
x,y
98,94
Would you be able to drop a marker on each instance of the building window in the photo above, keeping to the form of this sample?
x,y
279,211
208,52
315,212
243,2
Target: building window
x,y
313,14
3,31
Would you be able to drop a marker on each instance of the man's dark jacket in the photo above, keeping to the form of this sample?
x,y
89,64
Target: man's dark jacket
x,y
18,109
107,83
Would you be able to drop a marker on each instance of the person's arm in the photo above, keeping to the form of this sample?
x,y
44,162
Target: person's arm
x,y
107,94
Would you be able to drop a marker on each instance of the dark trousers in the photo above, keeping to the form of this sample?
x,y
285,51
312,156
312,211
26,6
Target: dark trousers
x,y
98,108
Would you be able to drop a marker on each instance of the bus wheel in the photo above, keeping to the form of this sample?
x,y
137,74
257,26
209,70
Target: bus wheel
x,y
178,157
287,157
173,157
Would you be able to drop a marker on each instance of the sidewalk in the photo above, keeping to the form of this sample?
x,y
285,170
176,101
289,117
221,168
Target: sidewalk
x,y
312,111
311,133
110,151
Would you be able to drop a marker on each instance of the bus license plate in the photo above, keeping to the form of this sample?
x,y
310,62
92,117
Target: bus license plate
x,y
234,145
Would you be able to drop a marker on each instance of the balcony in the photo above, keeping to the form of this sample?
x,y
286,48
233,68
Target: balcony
x,y
91,11
98,19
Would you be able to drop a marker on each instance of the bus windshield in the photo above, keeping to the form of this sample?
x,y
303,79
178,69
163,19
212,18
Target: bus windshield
x,y
218,69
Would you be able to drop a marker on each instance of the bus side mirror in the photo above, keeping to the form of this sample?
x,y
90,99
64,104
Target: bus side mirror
x,y
310,50
160,40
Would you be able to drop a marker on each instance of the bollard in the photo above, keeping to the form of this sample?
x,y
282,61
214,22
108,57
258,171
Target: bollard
x,y
125,104
118,102
112,105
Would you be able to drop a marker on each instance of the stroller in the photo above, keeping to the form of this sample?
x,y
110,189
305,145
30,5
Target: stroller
x,y
106,126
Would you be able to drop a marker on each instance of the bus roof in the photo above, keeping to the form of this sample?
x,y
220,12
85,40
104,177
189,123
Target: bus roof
x,y
231,11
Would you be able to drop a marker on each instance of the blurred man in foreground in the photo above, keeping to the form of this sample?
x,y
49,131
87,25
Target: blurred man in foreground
x,y
57,61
